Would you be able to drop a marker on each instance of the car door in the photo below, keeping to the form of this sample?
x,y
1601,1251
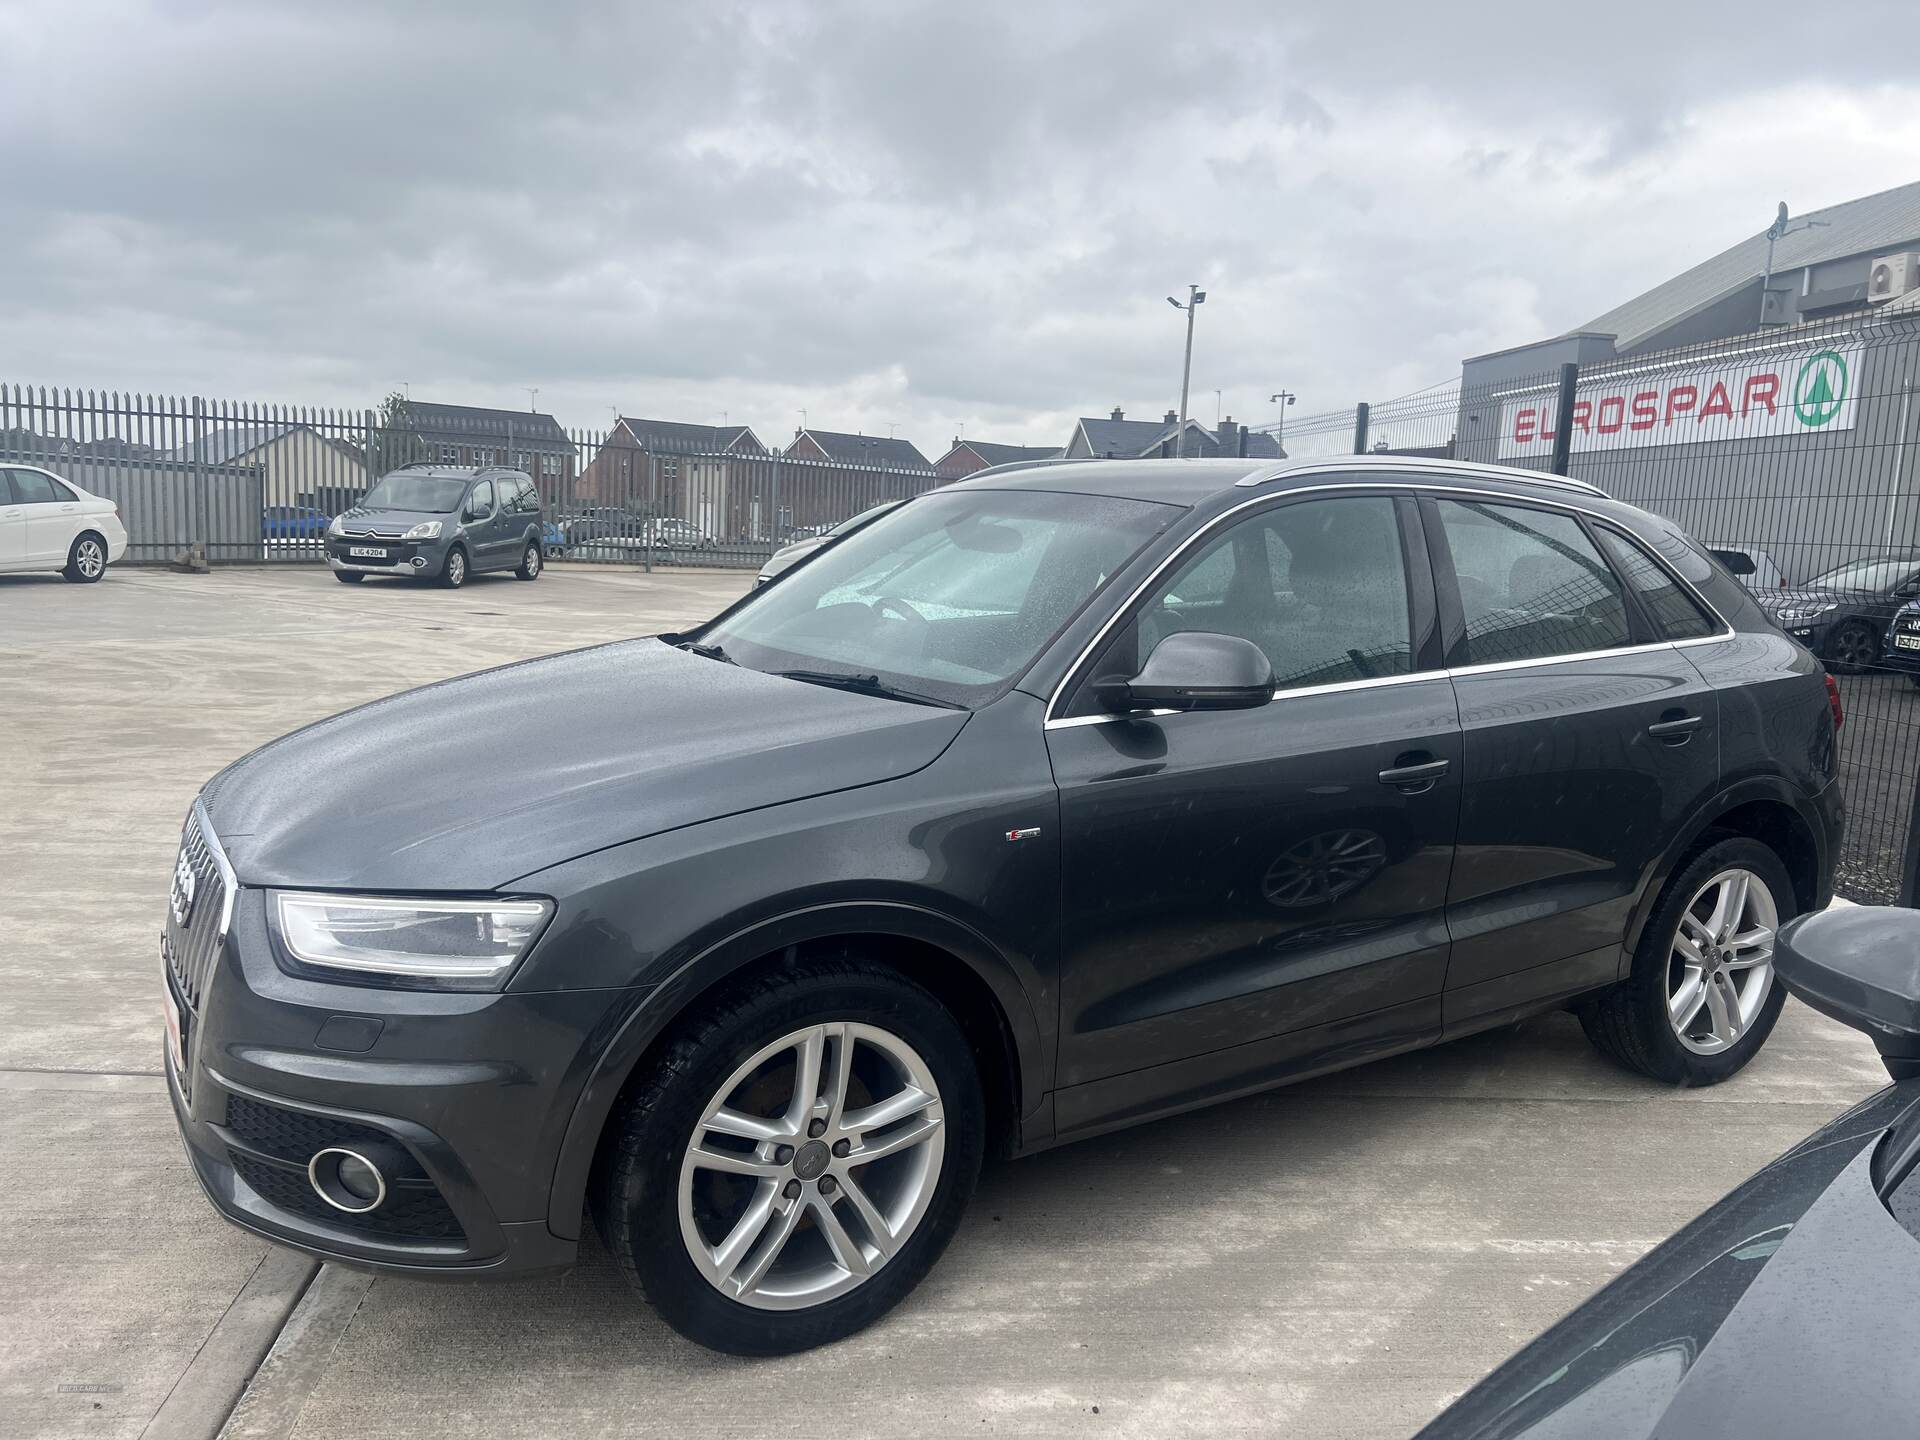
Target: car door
x,y
479,519
1260,887
52,514
1589,740
13,526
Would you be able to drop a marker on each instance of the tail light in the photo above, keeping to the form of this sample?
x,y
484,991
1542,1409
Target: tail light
x,y
1833,703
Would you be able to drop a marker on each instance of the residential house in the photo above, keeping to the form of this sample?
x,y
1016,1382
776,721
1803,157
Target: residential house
x,y
882,451
1118,438
473,435
827,476
967,456
296,463
709,474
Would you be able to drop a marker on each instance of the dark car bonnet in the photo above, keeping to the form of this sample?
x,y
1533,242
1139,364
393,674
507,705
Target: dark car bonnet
x,y
473,782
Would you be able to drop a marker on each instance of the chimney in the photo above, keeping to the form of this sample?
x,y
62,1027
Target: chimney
x,y
1173,417
1226,437
1118,414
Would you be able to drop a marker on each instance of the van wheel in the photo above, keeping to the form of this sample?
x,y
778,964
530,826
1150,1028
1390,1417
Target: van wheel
x,y
795,1159
86,559
529,562
1702,996
455,573
348,577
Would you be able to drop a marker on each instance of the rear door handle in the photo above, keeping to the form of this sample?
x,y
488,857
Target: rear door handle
x,y
1676,732
1414,779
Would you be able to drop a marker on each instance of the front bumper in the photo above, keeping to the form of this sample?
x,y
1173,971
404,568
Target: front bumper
x,y
474,1091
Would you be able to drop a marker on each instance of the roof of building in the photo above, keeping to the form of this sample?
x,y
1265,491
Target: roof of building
x,y
1131,439
1869,225
235,442
867,449
475,422
997,454
682,437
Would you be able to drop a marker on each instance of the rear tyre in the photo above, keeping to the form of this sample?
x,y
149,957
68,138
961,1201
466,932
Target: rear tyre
x,y
348,577
1702,996
86,559
793,1161
455,573
530,562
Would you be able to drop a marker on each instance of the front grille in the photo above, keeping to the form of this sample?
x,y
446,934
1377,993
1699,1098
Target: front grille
x,y
413,1209
291,1134
191,947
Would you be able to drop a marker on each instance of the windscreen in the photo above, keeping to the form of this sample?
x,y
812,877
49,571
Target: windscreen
x,y
435,494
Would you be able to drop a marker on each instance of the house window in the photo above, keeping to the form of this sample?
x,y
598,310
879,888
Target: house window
x,y
450,453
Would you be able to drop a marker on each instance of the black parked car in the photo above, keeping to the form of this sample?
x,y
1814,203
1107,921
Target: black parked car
x,y
1843,614
1788,1309
441,522
1062,798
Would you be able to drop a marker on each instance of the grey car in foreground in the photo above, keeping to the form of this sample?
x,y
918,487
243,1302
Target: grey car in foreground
x,y
441,522
1061,798
1790,1309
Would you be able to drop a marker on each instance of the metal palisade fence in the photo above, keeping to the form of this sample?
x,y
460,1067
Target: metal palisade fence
x,y
1794,454
229,482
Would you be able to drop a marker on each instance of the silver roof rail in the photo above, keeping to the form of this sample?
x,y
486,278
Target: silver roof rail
x,y
1423,465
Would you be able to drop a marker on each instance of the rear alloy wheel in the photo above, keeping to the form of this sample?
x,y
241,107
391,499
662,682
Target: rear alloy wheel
x,y
86,560
1702,997
796,1160
1853,646
530,563
455,575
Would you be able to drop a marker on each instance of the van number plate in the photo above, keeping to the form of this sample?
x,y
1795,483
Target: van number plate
x,y
369,552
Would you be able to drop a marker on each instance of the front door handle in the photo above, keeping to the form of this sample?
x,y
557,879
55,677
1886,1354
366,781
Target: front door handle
x,y
1414,779
1676,732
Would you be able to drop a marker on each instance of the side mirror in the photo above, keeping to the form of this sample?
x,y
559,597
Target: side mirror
x,y
1862,967
1196,670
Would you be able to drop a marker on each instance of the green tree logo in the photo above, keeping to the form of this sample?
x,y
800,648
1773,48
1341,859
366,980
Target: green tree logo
x,y
1820,389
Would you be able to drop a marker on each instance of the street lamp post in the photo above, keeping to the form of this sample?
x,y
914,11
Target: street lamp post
x,y
1283,399
1195,298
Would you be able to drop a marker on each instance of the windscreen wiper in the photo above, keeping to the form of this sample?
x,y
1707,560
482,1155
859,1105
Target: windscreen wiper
x,y
707,652
865,685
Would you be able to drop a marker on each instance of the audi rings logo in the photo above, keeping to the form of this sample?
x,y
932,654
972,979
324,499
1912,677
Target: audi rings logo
x,y
181,896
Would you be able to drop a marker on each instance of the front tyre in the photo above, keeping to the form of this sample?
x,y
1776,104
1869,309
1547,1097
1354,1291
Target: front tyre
x,y
348,577
1702,997
86,559
530,562
455,573
795,1159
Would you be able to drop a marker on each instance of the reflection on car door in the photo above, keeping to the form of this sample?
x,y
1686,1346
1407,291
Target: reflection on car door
x,y
1589,740
1246,892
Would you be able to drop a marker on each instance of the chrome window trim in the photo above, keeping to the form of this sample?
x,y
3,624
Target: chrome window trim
x,y
1053,720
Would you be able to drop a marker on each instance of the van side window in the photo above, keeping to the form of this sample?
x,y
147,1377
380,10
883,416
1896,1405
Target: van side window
x,y
1674,612
1531,584
480,502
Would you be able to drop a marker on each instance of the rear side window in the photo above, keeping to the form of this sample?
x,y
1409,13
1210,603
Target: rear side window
x,y
6,489
30,487
1674,613
1531,584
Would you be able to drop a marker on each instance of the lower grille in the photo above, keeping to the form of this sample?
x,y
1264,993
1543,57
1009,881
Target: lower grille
x,y
291,1134
413,1210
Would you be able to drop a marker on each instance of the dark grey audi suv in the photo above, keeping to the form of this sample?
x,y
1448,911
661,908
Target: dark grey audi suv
x,y
1062,798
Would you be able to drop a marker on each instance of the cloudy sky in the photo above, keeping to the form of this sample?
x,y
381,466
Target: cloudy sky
x,y
924,216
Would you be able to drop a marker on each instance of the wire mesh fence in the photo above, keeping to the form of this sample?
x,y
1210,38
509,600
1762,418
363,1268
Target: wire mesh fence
x,y
241,483
1792,455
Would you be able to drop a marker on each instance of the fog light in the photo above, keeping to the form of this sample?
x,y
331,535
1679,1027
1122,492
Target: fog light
x,y
419,562
347,1180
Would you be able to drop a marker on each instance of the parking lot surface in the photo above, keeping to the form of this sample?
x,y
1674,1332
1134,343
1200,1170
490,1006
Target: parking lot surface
x,y
1336,1259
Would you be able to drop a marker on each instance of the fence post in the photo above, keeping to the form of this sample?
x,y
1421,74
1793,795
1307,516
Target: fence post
x,y
653,505
195,557
1361,412
774,503
1563,429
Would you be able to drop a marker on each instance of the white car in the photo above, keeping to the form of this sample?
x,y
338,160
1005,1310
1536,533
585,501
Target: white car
x,y
47,523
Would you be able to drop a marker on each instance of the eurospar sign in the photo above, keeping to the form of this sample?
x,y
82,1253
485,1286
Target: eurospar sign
x,y
1799,391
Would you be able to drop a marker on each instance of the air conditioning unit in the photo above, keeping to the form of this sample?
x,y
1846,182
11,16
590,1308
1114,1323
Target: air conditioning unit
x,y
1891,276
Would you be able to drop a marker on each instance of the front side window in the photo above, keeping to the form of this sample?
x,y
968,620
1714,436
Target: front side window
x,y
480,503
949,597
1320,586
1675,614
1531,584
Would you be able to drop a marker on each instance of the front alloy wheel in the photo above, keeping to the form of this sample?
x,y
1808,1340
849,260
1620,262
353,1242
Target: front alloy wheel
x,y
811,1165
1854,646
1722,965
794,1158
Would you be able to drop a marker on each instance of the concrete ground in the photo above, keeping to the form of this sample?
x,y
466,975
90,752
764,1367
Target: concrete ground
x,y
1337,1259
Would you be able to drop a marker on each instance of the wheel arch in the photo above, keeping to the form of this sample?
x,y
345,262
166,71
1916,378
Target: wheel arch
x,y
1762,809
960,966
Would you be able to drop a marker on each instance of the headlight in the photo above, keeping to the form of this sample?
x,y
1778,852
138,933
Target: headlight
x,y
425,530
333,526
471,943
